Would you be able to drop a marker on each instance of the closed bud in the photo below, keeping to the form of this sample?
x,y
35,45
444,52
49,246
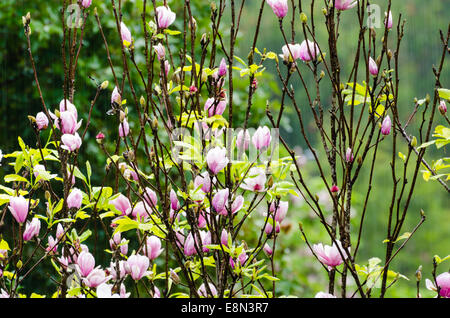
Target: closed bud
x,y
19,264
28,17
303,17
414,141
213,7
428,99
174,276
442,107
24,21
155,123
322,74
389,54
419,274
104,85
324,11
47,195
142,101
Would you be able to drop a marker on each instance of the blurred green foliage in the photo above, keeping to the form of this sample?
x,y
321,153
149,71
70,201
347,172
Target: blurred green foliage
x,y
300,274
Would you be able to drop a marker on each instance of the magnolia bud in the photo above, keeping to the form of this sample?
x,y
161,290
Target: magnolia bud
x,y
414,141
324,11
142,101
303,17
104,85
19,264
419,273
122,116
155,123
442,107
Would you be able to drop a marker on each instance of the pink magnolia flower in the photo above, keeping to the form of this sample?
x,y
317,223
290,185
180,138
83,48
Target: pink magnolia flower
x,y
86,263
117,272
206,240
443,281
125,34
220,201
442,107
243,140
309,50
123,246
203,180
203,292
160,51
165,17
349,155
281,210
224,238
223,68
255,180
67,122
373,67
386,126
329,255
141,209
388,21
267,249
71,142
105,291
59,232
324,295
124,128
166,68
115,96
52,245
344,4
122,204
237,204
261,139
279,7
18,206
216,159
38,169
137,266
66,105
174,203
96,277
215,107
294,54
269,228
150,197
86,3
32,229
189,245
153,247
74,199
41,121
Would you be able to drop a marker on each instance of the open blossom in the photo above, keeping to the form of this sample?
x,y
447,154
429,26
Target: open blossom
x,y
71,142
153,247
66,105
117,272
125,34
386,126
32,229
203,292
74,199
261,138
309,50
37,170
443,281
18,206
41,121
67,122
281,210
220,201
204,180
388,20
122,204
105,291
216,159
215,107
137,266
86,263
279,7
96,277
141,210
373,67
344,4
255,180
291,52
329,255
165,17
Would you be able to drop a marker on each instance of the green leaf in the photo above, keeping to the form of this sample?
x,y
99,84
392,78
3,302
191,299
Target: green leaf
x,y
444,93
15,178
